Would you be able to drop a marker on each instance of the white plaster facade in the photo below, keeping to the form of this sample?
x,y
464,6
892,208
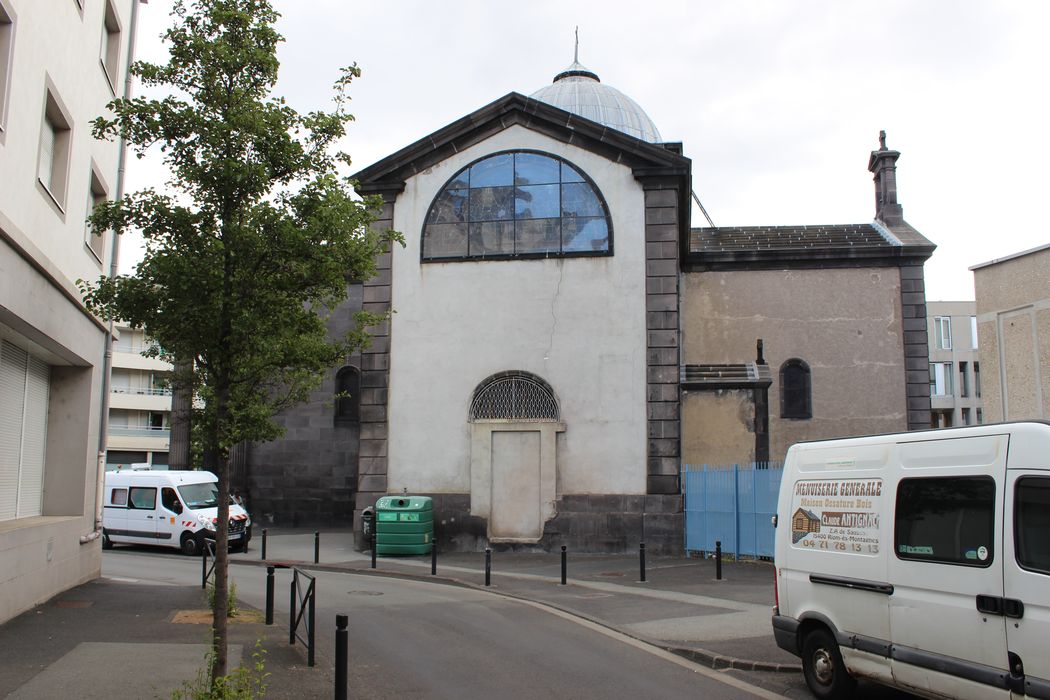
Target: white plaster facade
x,y
56,75
577,323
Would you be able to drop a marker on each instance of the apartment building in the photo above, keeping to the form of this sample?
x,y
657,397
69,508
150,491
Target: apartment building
x,y
1013,312
139,404
61,62
955,367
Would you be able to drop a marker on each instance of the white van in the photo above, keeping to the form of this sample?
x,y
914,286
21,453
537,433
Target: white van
x,y
167,508
918,560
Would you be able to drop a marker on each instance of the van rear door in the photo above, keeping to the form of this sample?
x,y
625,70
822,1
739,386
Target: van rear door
x,y
1026,595
947,569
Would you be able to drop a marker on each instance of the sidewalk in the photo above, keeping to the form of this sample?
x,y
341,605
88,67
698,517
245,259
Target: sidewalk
x,y
111,638
681,607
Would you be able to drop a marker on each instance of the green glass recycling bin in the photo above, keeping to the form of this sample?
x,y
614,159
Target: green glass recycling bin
x,y
404,525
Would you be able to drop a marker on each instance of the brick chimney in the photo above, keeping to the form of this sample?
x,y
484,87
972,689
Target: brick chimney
x,y
883,163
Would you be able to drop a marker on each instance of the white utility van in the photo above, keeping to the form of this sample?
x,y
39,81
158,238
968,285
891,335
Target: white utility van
x,y
919,560
167,508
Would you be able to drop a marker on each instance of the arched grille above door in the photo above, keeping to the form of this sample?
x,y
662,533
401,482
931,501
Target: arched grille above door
x,y
514,396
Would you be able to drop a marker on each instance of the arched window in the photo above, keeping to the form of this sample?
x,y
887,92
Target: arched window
x,y
514,396
795,390
348,395
517,204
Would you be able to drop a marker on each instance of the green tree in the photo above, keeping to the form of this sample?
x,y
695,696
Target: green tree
x,y
252,245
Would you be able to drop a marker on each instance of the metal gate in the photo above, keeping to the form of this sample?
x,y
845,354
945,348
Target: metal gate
x,y
732,503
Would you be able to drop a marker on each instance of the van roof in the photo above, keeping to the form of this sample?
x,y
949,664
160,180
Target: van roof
x,y
957,431
187,476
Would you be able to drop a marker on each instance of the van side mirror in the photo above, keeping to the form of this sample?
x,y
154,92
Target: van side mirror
x,y
774,521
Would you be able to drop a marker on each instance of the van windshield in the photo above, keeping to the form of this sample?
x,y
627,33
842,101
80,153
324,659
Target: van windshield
x,y
200,495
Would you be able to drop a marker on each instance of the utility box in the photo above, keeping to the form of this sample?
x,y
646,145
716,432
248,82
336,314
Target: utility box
x,y
404,525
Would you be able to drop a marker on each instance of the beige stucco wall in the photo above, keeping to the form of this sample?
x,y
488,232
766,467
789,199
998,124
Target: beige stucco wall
x,y
727,419
44,249
844,323
1013,317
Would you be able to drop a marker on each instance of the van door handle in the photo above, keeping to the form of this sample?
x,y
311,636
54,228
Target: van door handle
x,y
1013,608
995,605
990,604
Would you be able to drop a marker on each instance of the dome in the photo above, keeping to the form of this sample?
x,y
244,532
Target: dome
x,y
578,90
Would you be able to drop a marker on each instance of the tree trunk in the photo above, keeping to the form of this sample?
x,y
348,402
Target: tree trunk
x,y
181,409
222,537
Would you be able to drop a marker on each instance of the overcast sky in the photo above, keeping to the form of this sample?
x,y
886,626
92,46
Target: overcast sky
x,y
778,103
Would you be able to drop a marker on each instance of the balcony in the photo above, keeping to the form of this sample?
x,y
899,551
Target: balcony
x,y
140,399
137,438
129,356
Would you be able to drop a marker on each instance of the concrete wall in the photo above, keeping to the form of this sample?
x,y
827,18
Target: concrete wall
x,y
719,426
845,323
1013,317
578,323
44,249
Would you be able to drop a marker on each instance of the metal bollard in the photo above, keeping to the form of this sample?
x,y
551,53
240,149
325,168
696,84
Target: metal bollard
x,y
291,612
564,564
263,556
488,566
373,548
269,594
310,633
342,649
317,547
718,560
433,558
641,561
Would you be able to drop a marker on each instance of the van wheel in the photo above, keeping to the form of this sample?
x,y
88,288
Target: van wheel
x,y
191,546
106,542
822,666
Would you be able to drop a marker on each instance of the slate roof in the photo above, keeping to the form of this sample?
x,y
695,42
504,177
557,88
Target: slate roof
x,y
734,247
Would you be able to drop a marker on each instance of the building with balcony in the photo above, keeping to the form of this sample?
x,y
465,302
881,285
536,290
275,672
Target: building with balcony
x,y
1013,315
139,404
60,65
955,367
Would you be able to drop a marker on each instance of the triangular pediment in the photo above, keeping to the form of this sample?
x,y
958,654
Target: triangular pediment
x,y
646,159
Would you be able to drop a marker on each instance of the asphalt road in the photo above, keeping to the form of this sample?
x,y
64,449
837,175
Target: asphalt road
x,y
411,639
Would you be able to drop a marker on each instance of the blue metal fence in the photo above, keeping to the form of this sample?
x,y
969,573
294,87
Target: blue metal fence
x,y
732,503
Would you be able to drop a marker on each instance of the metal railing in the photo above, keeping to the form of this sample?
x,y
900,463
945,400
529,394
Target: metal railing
x,y
305,598
141,431
207,572
140,391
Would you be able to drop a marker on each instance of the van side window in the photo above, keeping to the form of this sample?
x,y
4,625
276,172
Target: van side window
x,y
143,498
1032,523
119,497
170,500
946,520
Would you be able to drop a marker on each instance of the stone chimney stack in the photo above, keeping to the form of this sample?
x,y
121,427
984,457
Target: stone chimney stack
x,y
883,163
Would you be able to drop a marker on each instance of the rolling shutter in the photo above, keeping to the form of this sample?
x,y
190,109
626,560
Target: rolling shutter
x,y
24,388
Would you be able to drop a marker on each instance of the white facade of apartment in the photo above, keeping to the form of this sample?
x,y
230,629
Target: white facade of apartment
x,y
61,62
955,367
139,404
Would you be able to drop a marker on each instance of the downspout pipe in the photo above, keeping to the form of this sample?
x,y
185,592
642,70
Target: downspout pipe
x,y
107,358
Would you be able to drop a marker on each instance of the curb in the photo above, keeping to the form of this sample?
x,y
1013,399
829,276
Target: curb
x,y
698,655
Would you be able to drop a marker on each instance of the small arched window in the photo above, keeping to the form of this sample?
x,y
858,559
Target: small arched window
x,y
517,204
514,396
795,390
348,395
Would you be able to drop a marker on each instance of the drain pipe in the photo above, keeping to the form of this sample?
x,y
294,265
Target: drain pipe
x,y
107,358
